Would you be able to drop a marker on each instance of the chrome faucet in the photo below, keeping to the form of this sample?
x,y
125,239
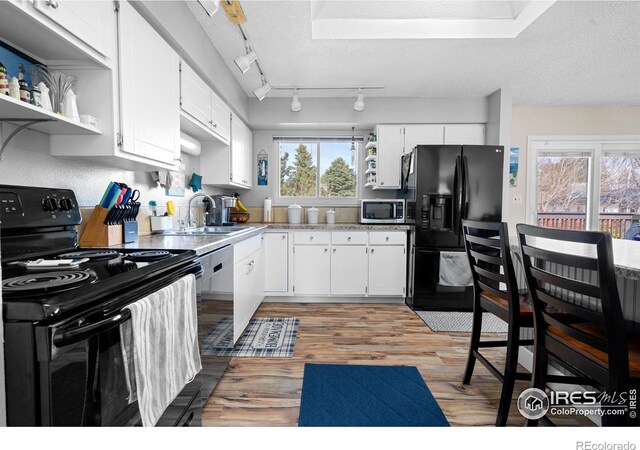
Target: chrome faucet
x,y
194,196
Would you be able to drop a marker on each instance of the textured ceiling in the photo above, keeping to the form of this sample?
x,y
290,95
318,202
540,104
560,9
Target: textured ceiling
x,y
576,53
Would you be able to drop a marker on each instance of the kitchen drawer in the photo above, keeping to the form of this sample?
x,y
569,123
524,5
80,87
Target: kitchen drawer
x,y
387,238
349,238
312,238
245,248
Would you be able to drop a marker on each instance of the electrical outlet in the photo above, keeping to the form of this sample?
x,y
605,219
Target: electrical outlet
x,y
517,199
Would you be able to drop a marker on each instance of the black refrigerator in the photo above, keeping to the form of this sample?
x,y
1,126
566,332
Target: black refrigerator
x,y
442,185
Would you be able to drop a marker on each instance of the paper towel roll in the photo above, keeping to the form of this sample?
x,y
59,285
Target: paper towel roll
x,y
266,210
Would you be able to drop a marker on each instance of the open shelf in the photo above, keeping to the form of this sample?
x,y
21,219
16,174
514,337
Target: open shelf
x,y
370,171
371,144
17,112
370,184
370,158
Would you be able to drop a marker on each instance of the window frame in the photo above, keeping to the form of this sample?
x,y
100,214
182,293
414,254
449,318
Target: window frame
x,y
595,146
279,200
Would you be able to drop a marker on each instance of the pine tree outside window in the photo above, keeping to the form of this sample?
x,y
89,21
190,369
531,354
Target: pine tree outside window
x,y
323,170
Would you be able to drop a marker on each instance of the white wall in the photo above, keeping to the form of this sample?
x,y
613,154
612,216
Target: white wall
x,y
335,113
540,121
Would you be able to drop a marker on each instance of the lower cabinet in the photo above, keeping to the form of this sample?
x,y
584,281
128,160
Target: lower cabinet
x,y
248,282
387,270
276,253
311,270
349,270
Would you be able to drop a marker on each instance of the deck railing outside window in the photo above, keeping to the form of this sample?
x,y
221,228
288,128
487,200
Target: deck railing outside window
x,y
615,223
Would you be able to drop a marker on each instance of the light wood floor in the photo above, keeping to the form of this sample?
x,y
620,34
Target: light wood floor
x,y
266,391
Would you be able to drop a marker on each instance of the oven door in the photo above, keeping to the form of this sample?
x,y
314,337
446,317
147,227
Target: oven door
x,y
81,366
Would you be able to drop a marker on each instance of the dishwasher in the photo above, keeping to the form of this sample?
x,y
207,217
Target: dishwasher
x,y
215,315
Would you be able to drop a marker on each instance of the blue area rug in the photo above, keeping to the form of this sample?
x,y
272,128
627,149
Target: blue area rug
x,y
367,396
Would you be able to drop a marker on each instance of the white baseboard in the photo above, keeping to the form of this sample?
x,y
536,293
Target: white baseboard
x,y
525,358
312,299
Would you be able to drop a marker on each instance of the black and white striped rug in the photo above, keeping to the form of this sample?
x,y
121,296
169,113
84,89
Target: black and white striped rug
x,y
266,337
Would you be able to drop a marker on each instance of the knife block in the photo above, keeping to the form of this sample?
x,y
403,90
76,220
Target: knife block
x,y
99,234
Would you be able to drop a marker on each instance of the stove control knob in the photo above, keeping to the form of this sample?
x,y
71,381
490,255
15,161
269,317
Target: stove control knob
x,y
66,204
49,204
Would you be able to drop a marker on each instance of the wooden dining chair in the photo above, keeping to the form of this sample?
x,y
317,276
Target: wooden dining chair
x,y
495,291
573,271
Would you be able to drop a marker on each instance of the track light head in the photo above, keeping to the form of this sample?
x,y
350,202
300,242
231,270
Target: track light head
x,y
244,62
262,91
296,106
359,103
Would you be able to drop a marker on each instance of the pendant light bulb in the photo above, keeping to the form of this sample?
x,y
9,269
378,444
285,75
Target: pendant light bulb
x,y
296,106
359,103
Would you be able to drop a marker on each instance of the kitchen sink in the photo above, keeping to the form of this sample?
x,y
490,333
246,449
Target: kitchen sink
x,y
204,231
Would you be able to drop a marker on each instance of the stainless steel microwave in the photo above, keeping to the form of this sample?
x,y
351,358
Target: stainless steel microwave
x,y
382,210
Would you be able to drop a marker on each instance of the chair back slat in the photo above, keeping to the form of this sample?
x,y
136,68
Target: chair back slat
x,y
562,258
487,245
575,276
571,308
569,284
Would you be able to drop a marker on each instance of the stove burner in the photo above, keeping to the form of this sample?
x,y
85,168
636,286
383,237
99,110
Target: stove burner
x,y
48,282
91,254
147,255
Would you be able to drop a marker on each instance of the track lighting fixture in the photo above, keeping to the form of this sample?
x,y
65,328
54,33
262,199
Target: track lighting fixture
x,y
359,103
296,106
244,62
262,91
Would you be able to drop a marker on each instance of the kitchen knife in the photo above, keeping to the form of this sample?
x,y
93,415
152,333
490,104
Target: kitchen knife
x,y
114,198
127,196
106,198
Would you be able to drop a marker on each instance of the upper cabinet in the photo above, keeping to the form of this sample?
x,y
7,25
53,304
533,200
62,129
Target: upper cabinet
x,y
203,114
467,134
83,19
383,156
149,90
229,165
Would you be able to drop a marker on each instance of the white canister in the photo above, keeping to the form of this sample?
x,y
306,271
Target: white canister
x,y
331,216
294,213
312,215
266,210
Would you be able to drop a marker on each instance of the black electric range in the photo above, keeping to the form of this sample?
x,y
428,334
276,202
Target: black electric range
x,y
63,357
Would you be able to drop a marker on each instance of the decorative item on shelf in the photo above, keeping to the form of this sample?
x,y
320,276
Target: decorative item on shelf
x,y
69,106
371,164
45,96
177,179
58,82
263,168
4,80
14,88
36,98
25,95
89,120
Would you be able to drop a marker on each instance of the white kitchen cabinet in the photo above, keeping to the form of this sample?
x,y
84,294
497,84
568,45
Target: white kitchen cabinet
x,y
82,19
311,270
276,252
229,165
349,270
149,90
464,134
389,151
248,282
387,270
195,96
204,115
422,135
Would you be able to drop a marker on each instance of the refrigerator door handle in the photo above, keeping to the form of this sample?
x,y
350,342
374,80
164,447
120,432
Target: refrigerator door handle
x,y
464,211
457,195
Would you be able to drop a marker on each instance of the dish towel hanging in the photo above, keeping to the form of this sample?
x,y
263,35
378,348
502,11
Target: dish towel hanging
x,y
163,337
455,269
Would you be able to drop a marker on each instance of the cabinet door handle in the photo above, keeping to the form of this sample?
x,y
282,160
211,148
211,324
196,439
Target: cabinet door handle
x,y
348,238
52,3
311,238
284,236
326,250
387,238
372,250
334,250
215,125
381,183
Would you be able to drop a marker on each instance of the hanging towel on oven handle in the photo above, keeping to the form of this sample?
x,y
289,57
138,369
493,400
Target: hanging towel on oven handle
x,y
162,335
